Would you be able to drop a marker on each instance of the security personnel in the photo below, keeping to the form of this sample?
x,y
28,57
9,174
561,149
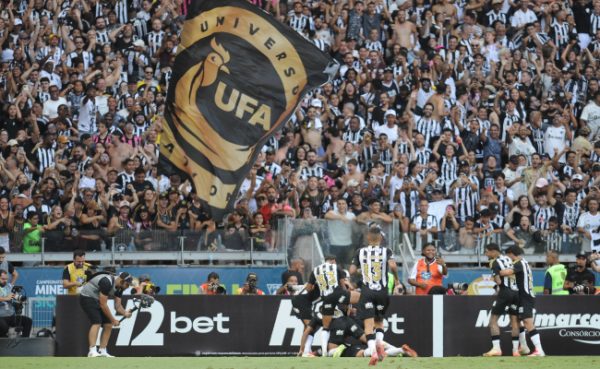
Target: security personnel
x,y
429,271
75,274
556,274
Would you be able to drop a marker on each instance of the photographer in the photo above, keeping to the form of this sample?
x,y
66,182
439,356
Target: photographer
x,y
94,302
11,306
212,285
249,287
7,265
289,288
580,280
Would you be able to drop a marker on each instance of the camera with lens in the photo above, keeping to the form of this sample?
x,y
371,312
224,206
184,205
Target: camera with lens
x,y
458,288
151,289
19,298
217,288
581,289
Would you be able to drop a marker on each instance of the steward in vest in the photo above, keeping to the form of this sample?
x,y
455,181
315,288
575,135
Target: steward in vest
x,y
75,275
554,280
428,271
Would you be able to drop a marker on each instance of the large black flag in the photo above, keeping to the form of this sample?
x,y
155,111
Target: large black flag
x,y
238,75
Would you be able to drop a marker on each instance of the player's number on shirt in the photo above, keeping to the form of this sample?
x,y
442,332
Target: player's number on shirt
x,y
372,275
326,280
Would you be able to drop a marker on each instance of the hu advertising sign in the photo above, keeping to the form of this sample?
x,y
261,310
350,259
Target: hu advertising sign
x,y
224,325
239,74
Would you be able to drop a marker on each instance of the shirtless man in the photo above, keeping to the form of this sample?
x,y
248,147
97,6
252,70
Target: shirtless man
x,y
118,151
312,127
405,32
437,100
336,144
447,9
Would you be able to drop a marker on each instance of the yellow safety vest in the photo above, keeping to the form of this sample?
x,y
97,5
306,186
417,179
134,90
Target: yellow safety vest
x,y
77,275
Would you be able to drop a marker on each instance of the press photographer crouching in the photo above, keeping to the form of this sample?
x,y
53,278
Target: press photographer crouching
x,y
249,287
212,285
12,299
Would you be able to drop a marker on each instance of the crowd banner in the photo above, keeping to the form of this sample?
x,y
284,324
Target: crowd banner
x,y
239,74
265,326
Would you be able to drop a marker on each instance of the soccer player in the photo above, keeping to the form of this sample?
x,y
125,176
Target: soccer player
x,y
302,308
374,262
506,299
524,277
348,340
332,283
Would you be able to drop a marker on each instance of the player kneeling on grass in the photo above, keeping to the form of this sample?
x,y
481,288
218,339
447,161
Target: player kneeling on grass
x,y
333,286
374,262
348,339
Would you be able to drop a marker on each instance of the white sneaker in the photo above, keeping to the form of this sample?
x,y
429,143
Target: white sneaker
x,y
104,354
94,354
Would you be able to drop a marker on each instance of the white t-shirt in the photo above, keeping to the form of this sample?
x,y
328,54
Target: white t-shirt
x,y
554,138
591,114
391,133
51,107
589,223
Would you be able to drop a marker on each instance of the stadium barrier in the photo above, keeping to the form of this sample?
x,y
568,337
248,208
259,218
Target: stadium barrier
x,y
264,326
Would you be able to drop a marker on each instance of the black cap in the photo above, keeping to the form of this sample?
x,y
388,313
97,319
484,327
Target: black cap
x,y
494,208
212,275
464,163
581,255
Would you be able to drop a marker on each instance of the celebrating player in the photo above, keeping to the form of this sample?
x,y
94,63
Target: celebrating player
x,y
506,299
331,281
524,277
374,262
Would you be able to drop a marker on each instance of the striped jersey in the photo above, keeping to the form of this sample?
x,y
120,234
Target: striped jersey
x,y
524,277
373,264
503,262
327,277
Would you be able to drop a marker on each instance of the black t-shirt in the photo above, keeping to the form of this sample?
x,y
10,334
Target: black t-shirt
x,y
578,277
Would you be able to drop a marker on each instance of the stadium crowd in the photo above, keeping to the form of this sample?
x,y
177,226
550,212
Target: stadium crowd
x,y
491,108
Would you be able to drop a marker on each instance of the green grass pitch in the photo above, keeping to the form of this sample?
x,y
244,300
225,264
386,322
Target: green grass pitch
x,y
556,362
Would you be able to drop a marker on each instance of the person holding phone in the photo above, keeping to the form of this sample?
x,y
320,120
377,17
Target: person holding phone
x,y
429,271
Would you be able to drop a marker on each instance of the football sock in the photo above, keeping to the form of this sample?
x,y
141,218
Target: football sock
x,y
371,343
535,338
308,345
379,334
515,342
496,342
324,341
522,337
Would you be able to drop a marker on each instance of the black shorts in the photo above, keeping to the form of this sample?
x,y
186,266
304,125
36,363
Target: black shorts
x,y
342,328
526,306
315,323
373,304
353,350
338,296
507,300
92,309
302,307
